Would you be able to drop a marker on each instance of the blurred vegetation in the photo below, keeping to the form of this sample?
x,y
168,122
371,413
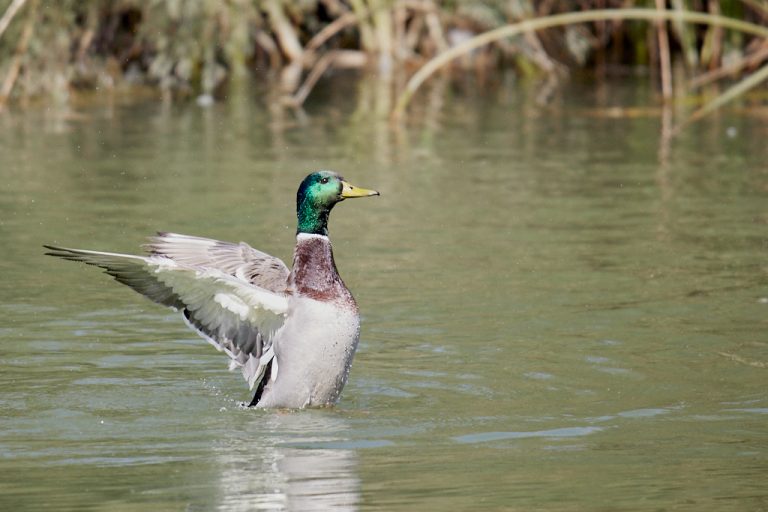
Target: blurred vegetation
x,y
197,48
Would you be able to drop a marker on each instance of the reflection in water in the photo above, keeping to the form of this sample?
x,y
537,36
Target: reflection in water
x,y
290,469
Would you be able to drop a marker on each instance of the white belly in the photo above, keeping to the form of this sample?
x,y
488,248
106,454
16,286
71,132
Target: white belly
x,y
313,353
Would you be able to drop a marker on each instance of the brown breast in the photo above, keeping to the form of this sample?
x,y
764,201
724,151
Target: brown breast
x,y
314,273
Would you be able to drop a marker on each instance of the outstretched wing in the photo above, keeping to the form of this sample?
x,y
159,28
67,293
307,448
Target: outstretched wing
x,y
235,316
240,260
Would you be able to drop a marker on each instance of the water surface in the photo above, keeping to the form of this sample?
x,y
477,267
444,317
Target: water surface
x,y
558,313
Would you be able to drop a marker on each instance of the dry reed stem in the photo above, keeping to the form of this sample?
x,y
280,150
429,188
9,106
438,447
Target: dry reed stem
x,y
269,46
684,36
18,55
345,20
317,71
10,12
435,30
717,36
754,59
286,35
367,39
730,94
760,7
665,60
383,29
342,58
557,20
413,32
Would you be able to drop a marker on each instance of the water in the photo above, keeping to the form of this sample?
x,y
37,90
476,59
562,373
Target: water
x,y
555,317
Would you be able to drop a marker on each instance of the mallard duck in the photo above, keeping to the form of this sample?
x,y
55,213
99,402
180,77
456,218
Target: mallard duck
x,y
293,334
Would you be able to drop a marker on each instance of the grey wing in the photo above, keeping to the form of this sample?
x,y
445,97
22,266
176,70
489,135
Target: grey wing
x,y
237,259
235,316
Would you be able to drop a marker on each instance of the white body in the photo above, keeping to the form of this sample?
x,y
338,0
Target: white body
x,y
292,334
311,365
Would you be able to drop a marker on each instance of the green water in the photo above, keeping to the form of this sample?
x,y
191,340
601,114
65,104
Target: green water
x,y
555,317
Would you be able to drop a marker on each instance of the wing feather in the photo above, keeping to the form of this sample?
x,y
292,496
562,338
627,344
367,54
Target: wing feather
x,y
236,259
235,316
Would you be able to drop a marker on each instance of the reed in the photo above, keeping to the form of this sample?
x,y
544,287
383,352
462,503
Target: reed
x,y
558,20
197,48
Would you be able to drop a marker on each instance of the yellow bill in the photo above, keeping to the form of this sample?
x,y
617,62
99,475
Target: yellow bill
x,y
349,190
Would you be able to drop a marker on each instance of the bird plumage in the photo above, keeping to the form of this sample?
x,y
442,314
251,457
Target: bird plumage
x,y
292,333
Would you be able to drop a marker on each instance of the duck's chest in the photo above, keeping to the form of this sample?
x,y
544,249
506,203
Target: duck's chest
x,y
314,273
322,314
320,326
315,346
314,351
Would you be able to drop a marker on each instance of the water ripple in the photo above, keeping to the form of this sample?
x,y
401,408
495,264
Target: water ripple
x,y
485,437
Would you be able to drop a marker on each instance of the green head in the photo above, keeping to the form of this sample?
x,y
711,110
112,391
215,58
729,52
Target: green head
x,y
317,195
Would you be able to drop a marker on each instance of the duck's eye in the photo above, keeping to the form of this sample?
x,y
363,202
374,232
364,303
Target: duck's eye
x,y
324,181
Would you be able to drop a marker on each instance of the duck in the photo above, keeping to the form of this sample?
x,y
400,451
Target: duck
x,y
292,333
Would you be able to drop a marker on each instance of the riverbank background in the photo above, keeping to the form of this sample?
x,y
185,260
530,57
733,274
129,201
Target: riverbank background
x,y
703,51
